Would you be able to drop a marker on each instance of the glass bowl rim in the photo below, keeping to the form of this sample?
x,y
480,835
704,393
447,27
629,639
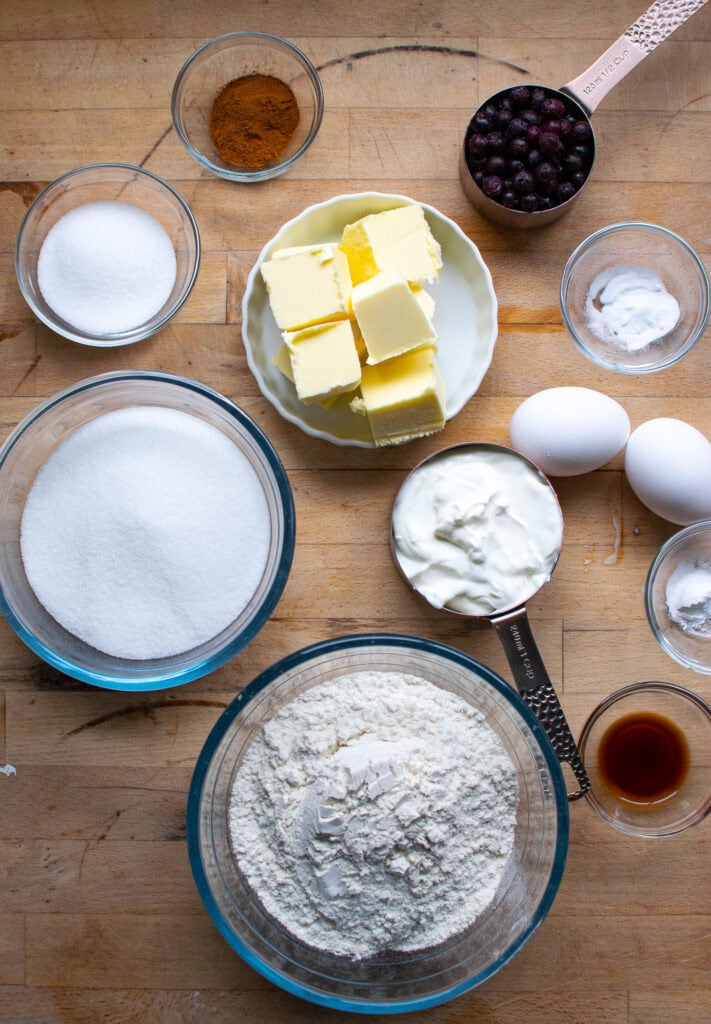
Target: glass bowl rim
x,y
301,657
648,227
676,539
626,691
118,338
259,174
160,681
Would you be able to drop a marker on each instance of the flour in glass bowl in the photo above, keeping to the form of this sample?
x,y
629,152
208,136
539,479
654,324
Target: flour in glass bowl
x,y
374,812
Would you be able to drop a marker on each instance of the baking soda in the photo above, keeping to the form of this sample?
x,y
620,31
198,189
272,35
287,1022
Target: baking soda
x,y
106,267
146,532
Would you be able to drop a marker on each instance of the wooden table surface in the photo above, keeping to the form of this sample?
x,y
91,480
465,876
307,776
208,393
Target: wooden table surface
x,y
99,916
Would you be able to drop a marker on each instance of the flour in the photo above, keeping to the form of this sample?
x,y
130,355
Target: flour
x,y
374,812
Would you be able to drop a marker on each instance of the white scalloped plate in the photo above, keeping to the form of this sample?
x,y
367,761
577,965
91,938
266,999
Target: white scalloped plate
x,y
465,316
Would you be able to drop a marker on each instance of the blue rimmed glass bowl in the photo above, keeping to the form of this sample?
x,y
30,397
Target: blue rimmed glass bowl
x,y
31,443
394,982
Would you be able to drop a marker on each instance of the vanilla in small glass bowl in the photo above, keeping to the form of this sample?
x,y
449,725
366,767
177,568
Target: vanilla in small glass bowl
x,y
647,752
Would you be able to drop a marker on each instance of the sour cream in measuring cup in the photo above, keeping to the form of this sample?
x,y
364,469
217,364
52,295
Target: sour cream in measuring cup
x,y
476,529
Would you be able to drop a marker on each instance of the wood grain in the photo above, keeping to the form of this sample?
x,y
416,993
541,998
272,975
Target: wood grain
x,y
100,920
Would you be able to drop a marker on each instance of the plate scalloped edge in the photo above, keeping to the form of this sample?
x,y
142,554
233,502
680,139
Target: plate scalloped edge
x,y
465,315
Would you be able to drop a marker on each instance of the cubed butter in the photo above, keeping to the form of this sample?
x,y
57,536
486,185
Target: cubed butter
x,y
282,361
390,317
324,360
308,284
399,239
403,398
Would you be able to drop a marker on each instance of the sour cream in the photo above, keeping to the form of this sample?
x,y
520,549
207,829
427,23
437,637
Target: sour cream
x,y
476,530
629,306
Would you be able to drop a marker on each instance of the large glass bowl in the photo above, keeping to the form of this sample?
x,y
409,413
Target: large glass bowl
x,y
39,434
98,183
395,982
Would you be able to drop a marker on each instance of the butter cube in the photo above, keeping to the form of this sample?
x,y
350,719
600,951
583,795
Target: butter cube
x,y
308,284
324,360
390,317
398,239
425,300
403,398
282,361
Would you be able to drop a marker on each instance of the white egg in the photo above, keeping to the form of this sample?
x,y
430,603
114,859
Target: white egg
x,y
568,431
668,466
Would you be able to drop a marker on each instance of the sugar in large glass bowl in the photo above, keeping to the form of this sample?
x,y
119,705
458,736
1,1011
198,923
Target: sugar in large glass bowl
x,y
269,109
635,297
107,254
146,530
322,823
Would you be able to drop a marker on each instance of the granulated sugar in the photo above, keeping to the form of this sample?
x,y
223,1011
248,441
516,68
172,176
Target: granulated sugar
x,y
146,532
374,812
106,267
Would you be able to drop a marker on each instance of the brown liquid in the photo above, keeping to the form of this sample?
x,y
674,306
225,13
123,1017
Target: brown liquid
x,y
643,757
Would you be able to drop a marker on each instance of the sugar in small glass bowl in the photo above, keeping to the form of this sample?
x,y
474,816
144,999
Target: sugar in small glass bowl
x,y
226,59
677,596
613,301
173,581
107,254
647,752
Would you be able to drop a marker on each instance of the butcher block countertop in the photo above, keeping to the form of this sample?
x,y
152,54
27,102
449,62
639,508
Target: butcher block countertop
x,y
100,920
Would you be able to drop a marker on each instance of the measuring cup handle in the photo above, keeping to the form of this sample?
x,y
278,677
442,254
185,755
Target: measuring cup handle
x,y
650,29
537,691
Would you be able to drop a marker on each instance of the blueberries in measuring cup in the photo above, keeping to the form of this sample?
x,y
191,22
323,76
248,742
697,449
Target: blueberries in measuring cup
x,y
529,149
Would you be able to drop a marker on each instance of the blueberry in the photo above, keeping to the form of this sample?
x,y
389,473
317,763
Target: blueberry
x,y
495,142
578,179
530,202
581,131
492,186
480,122
520,95
547,175
573,163
534,157
508,199
503,117
496,165
517,126
564,192
515,166
478,177
518,147
533,135
552,107
550,143
523,182
478,144
537,97
584,153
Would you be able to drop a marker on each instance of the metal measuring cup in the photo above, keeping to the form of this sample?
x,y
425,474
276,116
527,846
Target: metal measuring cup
x,y
514,631
583,94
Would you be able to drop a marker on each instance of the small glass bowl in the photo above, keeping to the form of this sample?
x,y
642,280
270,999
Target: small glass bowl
x,y
645,245
108,182
231,56
690,546
690,802
33,441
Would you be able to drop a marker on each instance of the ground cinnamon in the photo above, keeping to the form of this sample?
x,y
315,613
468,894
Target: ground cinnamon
x,y
252,120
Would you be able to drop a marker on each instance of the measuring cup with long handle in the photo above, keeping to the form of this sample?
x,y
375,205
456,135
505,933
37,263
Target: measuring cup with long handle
x,y
513,628
586,91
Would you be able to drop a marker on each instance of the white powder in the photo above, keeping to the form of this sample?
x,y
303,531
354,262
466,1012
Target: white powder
x,y
688,597
146,532
629,306
375,811
106,267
